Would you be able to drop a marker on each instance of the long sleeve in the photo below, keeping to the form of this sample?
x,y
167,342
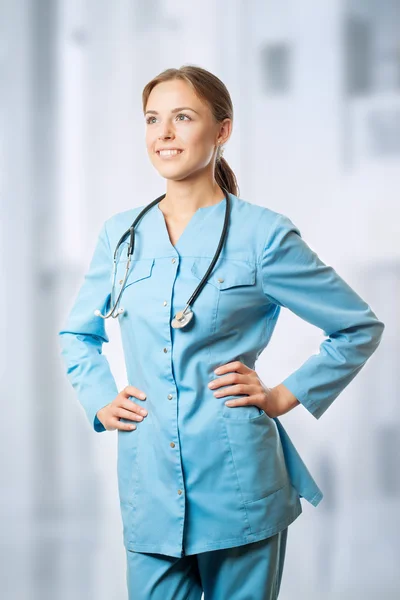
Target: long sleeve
x,y
84,333
293,276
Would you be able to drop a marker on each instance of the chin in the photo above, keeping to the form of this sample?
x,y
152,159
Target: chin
x,y
169,177
174,175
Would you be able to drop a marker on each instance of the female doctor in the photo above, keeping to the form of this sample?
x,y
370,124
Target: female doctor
x,y
208,479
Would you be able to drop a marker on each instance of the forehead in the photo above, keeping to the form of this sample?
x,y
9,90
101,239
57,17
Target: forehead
x,y
171,94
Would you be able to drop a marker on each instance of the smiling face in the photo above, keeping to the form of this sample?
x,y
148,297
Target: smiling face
x,y
177,118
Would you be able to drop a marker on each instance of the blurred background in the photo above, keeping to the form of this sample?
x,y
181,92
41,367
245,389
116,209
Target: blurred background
x,y
316,136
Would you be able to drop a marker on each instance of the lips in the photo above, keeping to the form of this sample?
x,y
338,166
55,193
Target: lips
x,y
169,149
168,155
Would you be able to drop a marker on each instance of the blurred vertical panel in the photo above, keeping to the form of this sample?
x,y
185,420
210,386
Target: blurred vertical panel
x,y
357,49
387,460
328,476
369,525
19,240
371,80
48,509
276,68
84,129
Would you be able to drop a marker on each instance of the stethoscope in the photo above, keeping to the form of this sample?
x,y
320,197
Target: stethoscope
x,y
182,317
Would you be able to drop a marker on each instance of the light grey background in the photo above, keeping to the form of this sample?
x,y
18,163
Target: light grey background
x,y
316,93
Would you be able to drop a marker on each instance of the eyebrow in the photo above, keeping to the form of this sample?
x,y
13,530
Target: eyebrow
x,y
175,110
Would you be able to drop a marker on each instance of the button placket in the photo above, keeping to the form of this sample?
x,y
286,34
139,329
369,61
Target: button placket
x,y
171,396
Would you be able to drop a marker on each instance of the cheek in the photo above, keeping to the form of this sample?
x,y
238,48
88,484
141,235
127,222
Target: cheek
x,y
152,156
149,146
199,149
150,140
195,138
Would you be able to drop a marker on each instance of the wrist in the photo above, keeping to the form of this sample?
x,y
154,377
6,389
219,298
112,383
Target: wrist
x,y
284,398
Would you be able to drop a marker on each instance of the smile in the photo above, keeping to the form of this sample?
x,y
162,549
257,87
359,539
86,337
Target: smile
x,y
168,153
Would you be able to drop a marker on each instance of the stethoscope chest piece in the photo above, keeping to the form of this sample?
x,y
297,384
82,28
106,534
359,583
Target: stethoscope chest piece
x,y
182,318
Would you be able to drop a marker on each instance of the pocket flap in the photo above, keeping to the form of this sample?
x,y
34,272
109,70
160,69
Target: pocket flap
x,y
139,269
227,273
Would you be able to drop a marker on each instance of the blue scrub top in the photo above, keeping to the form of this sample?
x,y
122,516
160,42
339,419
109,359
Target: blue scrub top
x,y
197,475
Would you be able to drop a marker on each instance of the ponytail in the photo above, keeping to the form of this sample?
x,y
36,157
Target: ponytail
x,y
225,177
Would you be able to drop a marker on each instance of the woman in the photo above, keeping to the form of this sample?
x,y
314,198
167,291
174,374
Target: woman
x,y
209,481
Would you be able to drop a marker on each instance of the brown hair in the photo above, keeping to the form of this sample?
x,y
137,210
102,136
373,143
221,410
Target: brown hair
x,y
211,89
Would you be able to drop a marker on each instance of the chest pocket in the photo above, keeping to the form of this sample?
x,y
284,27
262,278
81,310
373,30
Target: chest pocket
x,y
234,281
138,269
137,290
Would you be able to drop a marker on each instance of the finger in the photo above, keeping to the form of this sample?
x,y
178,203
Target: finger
x,y
244,401
122,413
131,390
233,390
117,424
132,406
235,365
226,379
250,401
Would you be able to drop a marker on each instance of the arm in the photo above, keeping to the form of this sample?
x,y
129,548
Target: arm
x,y
83,336
293,276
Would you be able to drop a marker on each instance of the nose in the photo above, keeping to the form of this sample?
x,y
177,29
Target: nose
x,y
166,130
165,135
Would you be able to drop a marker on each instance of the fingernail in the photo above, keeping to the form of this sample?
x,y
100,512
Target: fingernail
x,y
218,370
229,403
143,411
142,395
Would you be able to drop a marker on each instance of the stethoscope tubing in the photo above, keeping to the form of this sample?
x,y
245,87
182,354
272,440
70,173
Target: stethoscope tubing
x,y
186,314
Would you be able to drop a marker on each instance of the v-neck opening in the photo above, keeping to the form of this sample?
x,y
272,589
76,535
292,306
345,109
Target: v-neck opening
x,y
199,215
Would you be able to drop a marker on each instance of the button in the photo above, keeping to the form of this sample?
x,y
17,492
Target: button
x,y
220,280
173,260
170,396
172,445
179,492
121,281
165,303
165,349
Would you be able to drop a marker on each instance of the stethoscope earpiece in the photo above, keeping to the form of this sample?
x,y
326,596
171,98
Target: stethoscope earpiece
x,y
182,317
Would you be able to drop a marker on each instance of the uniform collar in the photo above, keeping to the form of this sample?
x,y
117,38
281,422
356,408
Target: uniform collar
x,y
199,238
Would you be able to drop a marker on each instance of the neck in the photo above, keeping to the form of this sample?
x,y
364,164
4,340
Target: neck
x,y
184,198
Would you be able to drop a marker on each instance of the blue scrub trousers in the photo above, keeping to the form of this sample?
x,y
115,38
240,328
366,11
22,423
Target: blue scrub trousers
x,y
249,572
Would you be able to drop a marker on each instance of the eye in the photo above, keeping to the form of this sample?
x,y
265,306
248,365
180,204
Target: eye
x,y
184,115
148,120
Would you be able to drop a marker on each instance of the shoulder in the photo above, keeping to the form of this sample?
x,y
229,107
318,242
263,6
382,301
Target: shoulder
x,y
125,217
266,223
118,223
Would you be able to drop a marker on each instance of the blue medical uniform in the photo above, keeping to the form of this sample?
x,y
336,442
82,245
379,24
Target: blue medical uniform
x,y
197,475
253,571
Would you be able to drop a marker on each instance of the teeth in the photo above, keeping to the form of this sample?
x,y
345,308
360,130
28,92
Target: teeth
x,y
169,152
